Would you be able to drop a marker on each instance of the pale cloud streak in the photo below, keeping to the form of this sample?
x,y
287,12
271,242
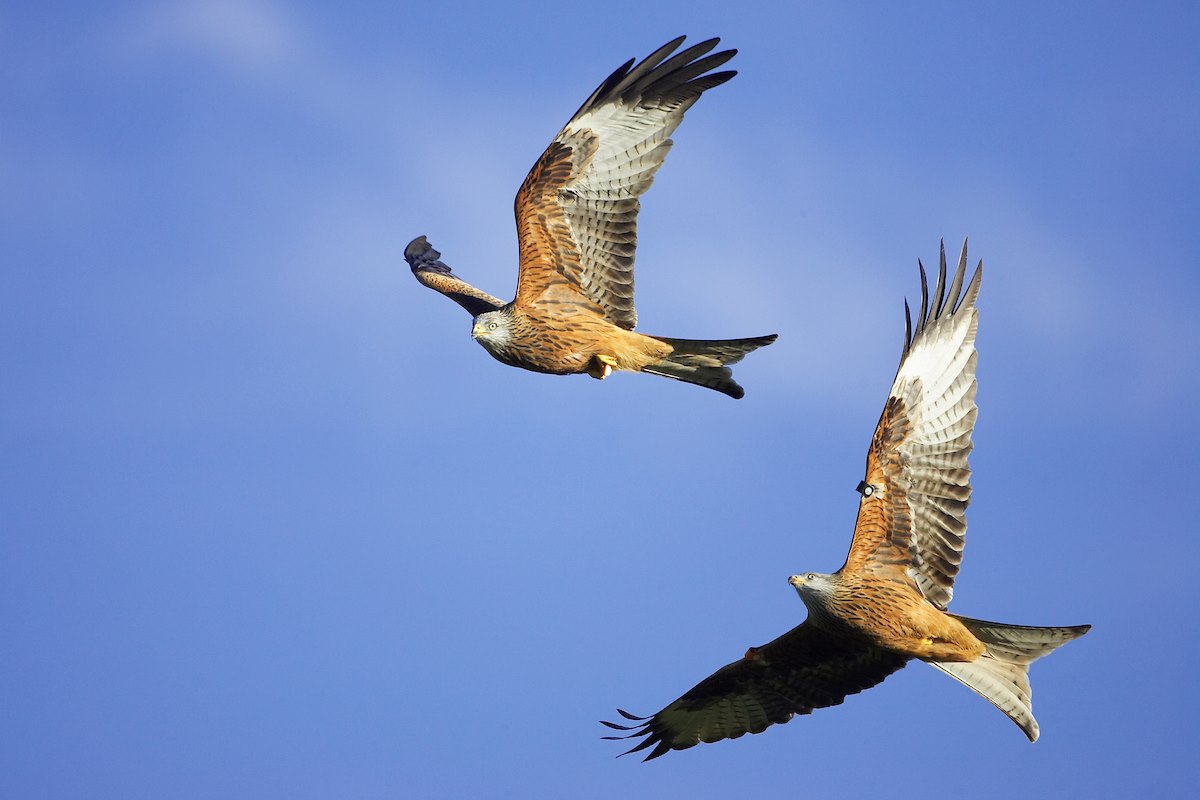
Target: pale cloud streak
x,y
256,38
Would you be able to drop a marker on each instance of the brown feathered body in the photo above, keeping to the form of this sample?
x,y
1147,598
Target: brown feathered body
x,y
890,614
561,337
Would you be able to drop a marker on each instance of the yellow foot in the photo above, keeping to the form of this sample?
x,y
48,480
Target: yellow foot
x,y
601,366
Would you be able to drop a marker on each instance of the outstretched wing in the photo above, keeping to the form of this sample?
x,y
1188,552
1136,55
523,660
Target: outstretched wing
x,y
802,670
430,271
912,515
577,209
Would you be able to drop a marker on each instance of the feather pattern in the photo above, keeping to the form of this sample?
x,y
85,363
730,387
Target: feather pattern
x,y
1001,675
577,209
802,670
912,516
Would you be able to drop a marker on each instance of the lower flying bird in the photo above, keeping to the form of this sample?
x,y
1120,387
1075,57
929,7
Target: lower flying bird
x,y
887,603
577,230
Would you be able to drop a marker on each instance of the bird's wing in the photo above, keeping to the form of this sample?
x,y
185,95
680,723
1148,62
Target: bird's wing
x,y
427,269
805,669
577,209
912,514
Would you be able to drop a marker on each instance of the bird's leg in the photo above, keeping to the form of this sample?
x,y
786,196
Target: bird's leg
x,y
601,366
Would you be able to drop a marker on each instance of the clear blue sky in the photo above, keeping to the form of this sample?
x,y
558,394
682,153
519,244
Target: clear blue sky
x,y
272,525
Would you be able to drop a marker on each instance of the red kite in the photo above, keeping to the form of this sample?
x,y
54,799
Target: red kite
x,y
887,604
577,229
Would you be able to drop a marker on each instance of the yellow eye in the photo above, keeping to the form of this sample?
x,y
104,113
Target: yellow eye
x,y
491,326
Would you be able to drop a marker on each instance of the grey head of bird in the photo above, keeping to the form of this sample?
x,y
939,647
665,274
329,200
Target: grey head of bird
x,y
814,588
493,330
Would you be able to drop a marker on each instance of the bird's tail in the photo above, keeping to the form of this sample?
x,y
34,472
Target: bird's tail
x,y
1001,674
705,362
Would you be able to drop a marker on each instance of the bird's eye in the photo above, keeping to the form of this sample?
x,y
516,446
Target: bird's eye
x,y
491,326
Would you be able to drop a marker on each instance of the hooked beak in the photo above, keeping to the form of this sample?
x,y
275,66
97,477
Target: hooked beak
x,y
796,581
476,331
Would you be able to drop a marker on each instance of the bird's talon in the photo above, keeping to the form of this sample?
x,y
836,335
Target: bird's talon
x,y
601,367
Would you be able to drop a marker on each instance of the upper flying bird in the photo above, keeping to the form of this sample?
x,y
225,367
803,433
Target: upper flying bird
x,y
577,230
887,604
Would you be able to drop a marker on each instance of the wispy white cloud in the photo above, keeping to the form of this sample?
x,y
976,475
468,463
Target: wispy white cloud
x,y
254,37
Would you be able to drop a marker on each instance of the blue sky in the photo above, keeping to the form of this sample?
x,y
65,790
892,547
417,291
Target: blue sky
x,y
273,526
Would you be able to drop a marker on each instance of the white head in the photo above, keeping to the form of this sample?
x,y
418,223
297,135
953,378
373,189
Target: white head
x,y
814,588
493,330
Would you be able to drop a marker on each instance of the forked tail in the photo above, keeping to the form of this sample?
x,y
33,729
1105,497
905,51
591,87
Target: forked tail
x,y
706,362
1001,674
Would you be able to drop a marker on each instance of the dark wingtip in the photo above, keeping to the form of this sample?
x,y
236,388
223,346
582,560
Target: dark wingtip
x,y
648,737
616,726
421,256
416,248
908,331
939,289
954,297
923,317
946,298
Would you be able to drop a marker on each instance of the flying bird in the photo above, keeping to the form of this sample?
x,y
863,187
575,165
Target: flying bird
x,y
577,230
887,604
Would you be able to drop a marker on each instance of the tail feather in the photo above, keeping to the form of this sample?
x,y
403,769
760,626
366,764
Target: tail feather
x,y
1001,674
706,362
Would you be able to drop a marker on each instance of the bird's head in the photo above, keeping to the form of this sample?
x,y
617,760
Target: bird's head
x,y
813,586
492,329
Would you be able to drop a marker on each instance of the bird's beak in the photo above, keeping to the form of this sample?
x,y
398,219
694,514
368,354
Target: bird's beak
x,y
796,581
476,332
